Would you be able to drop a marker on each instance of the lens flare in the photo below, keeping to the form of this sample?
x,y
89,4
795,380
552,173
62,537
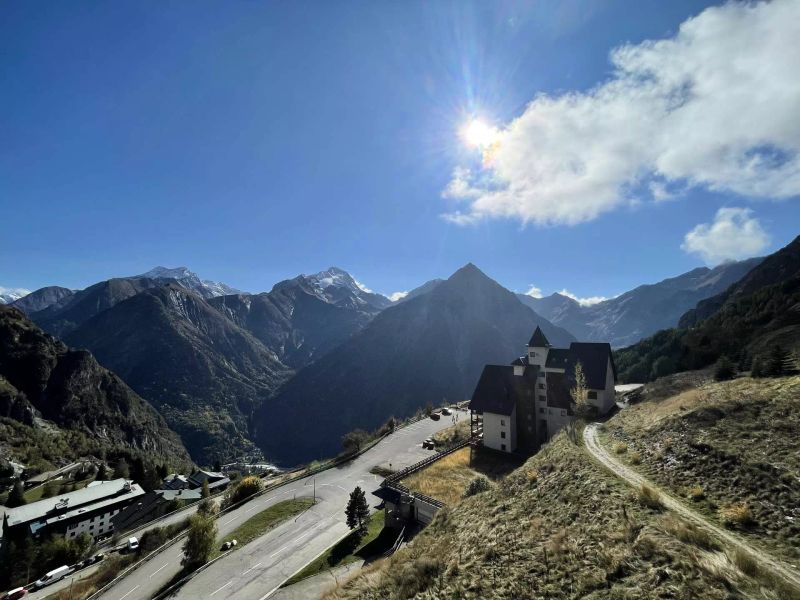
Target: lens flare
x,y
479,134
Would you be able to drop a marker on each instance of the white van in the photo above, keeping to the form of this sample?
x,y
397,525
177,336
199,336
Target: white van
x,y
133,544
53,576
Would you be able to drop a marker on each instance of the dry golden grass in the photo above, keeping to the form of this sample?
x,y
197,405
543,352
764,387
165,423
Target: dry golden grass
x,y
452,435
620,448
568,531
736,514
446,479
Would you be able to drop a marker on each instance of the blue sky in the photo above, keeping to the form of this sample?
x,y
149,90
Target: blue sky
x,y
252,141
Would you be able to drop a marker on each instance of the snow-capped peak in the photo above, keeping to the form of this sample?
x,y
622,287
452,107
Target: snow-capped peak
x,y
9,295
190,280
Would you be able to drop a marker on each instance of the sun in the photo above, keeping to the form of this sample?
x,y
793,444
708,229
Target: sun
x,y
479,134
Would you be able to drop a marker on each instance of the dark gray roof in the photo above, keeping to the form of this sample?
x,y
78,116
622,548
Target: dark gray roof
x,y
594,357
388,494
558,358
538,339
499,389
522,361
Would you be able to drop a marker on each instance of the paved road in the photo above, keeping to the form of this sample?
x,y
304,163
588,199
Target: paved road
x,y
770,563
259,568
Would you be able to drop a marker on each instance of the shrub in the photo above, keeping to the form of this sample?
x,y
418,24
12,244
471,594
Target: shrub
x,y
650,498
697,493
477,485
745,563
635,458
621,448
689,533
736,514
244,488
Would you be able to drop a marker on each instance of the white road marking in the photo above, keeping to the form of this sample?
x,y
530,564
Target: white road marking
x,y
251,508
128,593
290,543
251,568
159,568
229,520
222,588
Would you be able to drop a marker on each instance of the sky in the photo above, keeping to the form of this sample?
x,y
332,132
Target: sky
x,y
576,145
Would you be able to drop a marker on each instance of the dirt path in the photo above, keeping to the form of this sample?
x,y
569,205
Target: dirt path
x,y
770,563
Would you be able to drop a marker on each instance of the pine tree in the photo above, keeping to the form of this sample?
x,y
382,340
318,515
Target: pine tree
x,y
724,369
357,511
17,496
778,359
121,469
102,472
757,369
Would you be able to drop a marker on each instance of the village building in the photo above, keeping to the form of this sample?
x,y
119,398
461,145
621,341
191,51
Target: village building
x,y
88,510
518,407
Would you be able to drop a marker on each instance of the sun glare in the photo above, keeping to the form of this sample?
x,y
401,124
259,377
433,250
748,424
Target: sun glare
x,y
479,134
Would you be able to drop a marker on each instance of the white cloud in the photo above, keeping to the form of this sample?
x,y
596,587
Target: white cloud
x,y
734,234
716,106
534,292
394,297
583,301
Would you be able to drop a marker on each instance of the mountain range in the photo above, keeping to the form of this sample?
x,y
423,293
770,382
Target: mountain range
x,y
749,320
428,349
229,370
636,314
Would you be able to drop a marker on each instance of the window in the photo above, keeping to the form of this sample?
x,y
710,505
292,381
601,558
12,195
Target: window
x,y
541,386
530,429
563,413
541,373
533,354
542,398
530,417
592,395
503,434
502,422
503,447
542,410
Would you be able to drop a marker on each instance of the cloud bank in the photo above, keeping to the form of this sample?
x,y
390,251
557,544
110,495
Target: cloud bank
x,y
715,106
735,234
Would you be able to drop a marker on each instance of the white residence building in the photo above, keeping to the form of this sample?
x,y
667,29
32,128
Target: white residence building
x,y
518,407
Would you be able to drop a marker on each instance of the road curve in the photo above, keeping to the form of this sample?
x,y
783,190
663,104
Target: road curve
x,y
770,563
260,567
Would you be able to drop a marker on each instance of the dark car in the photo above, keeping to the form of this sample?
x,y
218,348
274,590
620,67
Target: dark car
x,y
15,593
436,416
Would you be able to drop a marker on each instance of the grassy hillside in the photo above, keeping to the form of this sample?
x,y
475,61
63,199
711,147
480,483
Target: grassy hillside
x,y
731,449
558,527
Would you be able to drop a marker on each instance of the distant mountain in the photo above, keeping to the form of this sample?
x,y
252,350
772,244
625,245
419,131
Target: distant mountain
x,y
747,320
41,377
42,298
339,288
295,321
202,371
427,349
9,295
423,289
69,313
626,319
189,280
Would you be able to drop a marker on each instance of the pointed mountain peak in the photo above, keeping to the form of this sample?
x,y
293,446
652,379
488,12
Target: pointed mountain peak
x,y
467,272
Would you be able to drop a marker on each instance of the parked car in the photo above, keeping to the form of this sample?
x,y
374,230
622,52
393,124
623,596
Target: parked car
x,y
98,557
15,593
52,576
133,544
446,411
428,444
436,416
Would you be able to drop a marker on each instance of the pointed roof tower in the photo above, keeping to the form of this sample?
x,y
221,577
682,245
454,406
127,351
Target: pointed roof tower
x,y
538,339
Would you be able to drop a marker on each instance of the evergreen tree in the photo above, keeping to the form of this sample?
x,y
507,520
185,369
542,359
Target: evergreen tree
x,y
199,541
778,359
162,471
17,496
745,361
217,466
206,505
357,511
102,472
724,369
138,470
757,369
121,469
